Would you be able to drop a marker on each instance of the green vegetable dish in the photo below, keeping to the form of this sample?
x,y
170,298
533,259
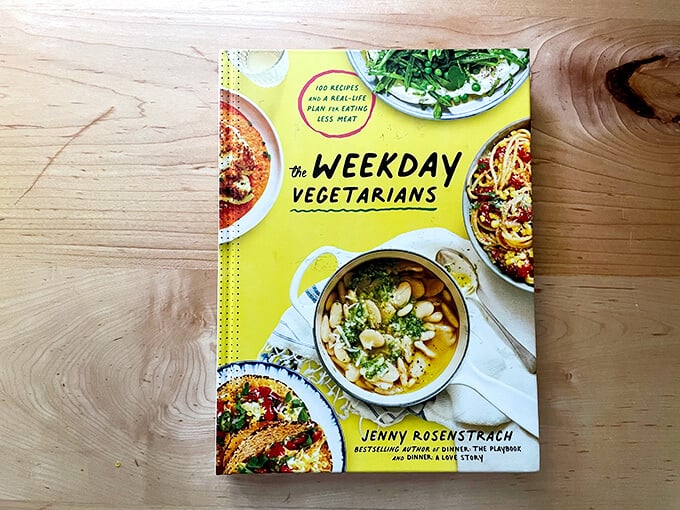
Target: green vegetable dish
x,y
444,81
390,326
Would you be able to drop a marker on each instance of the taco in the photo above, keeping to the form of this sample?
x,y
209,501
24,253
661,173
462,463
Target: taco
x,y
282,448
250,403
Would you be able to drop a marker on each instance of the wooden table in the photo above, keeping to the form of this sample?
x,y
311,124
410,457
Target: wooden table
x,y
108,224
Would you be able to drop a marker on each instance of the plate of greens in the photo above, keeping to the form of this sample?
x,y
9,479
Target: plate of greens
x,y
442,84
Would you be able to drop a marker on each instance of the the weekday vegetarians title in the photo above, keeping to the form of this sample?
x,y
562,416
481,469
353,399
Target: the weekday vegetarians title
x,y
339,179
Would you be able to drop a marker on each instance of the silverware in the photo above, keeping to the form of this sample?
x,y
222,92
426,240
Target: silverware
x,y
465,274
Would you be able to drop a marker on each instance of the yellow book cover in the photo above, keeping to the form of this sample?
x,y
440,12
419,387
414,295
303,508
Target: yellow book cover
x,y
376,263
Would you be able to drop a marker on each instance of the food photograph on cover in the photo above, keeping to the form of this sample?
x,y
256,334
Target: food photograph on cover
x,y
376,263
250,165
272,420
439,83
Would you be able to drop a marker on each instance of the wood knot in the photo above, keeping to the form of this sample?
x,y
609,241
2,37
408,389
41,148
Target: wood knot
x,y
650,87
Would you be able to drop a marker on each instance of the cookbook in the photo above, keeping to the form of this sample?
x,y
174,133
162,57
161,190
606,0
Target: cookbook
x,y
376,269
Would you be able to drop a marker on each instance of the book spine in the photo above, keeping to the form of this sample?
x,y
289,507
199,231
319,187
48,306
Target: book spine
x,y
228,263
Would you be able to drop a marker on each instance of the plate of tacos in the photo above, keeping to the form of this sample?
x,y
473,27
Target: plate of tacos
x,y
273,420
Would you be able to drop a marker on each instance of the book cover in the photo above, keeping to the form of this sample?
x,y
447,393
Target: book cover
x,y
375,262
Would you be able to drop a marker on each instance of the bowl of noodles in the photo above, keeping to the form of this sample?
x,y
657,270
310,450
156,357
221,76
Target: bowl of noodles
x,y
497,205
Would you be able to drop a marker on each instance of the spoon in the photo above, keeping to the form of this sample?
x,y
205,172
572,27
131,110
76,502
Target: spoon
x,y
465,274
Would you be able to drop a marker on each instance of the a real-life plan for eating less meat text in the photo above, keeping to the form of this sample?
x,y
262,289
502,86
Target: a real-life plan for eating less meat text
x,y
376,266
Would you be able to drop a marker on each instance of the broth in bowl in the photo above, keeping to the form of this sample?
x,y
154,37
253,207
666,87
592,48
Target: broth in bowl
x,y
390,326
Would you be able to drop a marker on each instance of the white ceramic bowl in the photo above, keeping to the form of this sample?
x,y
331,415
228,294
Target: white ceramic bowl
x,y
424,392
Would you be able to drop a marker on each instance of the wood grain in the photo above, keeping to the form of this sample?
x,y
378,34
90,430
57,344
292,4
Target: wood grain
x,y
108,225
109,145
86,384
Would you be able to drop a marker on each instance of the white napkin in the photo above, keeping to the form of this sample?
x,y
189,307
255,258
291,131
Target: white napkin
x,y
457,407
